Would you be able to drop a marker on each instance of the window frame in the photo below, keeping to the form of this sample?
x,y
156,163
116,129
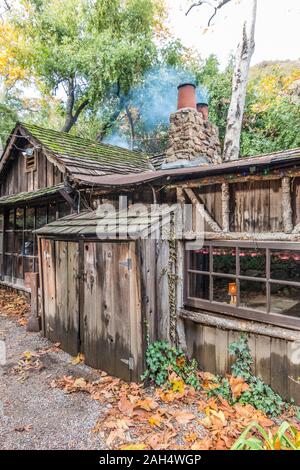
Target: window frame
x,y
214,306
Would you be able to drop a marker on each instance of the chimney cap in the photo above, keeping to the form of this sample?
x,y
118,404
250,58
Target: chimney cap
x,y
186,84
202,104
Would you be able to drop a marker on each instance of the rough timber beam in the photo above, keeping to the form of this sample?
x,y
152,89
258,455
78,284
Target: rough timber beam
x,y
200,208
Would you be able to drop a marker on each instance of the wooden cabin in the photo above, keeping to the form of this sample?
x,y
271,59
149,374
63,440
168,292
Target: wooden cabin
x,y
245,277
39,171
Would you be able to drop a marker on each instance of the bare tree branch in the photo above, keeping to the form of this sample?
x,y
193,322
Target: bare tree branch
x,y
215,4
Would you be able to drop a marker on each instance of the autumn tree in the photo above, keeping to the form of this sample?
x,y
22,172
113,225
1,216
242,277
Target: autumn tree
x,y
83,50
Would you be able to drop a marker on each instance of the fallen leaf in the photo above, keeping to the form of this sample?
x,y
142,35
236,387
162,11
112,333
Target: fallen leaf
x,y
125,406
155,420
183,417
238,386
78,359
139,446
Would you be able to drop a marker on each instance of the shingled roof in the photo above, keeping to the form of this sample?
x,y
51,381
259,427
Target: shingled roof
x,y
80,156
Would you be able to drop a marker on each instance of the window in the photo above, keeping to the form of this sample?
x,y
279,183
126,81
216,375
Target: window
x,y
30,159
18,246
258,281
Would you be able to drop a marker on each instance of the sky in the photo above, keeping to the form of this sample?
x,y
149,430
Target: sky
x,y
277,28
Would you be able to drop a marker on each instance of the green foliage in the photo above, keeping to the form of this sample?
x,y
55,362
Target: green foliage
x,y
255,437
163,359
259,395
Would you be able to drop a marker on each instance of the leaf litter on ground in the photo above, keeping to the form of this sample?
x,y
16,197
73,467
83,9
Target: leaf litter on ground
x,y
138,417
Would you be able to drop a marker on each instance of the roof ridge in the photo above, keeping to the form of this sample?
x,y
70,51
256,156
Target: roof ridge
x,y
83,139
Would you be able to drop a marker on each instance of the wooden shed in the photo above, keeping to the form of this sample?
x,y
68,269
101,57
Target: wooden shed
x,y
101,294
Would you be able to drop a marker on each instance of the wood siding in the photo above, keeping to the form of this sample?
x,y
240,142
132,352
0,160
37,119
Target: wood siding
x,y
275,359
15,179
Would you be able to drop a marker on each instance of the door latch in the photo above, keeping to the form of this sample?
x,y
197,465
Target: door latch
x,y
129,362
127,263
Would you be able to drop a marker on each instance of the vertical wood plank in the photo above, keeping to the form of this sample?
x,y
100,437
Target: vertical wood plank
x,y
279,378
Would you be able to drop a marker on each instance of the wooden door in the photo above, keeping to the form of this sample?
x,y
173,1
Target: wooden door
x,y
60,284
112,330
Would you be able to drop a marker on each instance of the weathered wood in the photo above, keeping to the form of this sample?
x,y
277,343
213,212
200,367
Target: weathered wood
x,y
202,211
49,280
262,358
162,290
293,361
279,370
34,319
287,215
239,325
225,207
248,236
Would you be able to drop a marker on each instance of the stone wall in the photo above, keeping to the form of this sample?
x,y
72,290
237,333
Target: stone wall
x,y
190,137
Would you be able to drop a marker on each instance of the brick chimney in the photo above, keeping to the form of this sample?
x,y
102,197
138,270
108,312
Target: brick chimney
x,y
191,135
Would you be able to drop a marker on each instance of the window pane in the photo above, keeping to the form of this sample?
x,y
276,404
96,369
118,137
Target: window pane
x,y
224,290
11,220
1,220
19,219
285,265
63,209
28,265
199,259
199,286
41,216
285,300
18,240
28,243
8,242
224,260
8,265
253,295
29,219
51,213
18,266
252,262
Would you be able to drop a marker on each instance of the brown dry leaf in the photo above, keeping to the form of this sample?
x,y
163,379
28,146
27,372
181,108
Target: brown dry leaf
x,y
184,417
114,435
218,416
238,386
125,406
203,444
264,421
148,404
27,427
190,437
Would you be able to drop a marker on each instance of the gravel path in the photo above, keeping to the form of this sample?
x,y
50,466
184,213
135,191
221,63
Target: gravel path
x,y
32,414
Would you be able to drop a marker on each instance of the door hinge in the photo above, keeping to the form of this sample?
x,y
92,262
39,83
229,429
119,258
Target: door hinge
x,y
129,362
127,263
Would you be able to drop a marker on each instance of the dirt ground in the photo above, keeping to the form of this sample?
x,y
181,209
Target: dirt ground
x,y
32,414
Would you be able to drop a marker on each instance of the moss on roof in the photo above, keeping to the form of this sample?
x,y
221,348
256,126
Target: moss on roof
x,y
69,145
24,197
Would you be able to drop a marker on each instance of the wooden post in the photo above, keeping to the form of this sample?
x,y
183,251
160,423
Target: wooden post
x,y
179,271
225,207
34,320
287,214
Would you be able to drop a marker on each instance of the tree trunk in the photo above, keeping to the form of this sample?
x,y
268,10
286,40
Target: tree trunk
x,y
131,125
71,117
239,88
